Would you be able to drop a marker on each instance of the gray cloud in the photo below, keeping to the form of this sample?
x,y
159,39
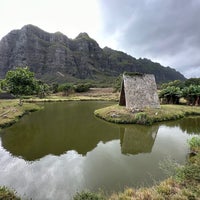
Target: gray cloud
x,y
164,31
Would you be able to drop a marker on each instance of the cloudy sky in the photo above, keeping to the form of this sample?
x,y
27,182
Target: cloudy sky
x,y
165,31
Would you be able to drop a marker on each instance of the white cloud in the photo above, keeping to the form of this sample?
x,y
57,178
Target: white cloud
x,y
164,31
68,16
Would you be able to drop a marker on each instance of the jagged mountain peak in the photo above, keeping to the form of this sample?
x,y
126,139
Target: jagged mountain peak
x,y
83,35
79,58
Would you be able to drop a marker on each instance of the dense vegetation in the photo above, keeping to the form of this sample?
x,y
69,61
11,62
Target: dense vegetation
x,y
22,81
172,92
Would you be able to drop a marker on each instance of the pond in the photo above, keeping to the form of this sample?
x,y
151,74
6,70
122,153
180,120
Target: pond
x,y
53,153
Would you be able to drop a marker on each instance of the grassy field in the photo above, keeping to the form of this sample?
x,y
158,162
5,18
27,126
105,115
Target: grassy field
x,y
10,111
121,115
96,94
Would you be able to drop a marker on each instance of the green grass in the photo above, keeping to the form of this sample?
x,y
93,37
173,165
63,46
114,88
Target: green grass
x,y
87,195
6,194
10,111
121,115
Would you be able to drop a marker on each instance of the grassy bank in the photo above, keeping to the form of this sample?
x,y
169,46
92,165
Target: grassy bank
x,y
119,114
6,194
10,111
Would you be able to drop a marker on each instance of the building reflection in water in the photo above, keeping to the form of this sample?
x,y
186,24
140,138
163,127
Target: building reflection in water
x,y
137,139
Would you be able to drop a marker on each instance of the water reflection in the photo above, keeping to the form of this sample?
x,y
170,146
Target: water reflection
x,y
137,139
57,129
88,153
72,126
190,125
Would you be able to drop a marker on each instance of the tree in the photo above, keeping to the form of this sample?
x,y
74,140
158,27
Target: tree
x,y
192,94
82,87
118,83
176,83
42,89
54,87
192,81
20,82
66,88
170,95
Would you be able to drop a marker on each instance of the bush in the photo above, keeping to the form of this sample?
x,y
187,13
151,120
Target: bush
x,y
54,87
6,194
66,88
87,195
82,87
194,142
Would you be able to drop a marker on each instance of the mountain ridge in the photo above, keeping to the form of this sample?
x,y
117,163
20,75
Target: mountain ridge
x,y
56,58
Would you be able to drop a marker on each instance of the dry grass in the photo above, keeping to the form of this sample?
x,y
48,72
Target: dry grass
x,y
94,94
119,114
6,194
10,111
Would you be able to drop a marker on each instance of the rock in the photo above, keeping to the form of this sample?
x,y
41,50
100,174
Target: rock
x,y
80,58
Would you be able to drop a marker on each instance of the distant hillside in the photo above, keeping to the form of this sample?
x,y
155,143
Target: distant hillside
x,y
56,58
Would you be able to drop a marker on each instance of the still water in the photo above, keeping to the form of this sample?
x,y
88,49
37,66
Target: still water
x,y
53,153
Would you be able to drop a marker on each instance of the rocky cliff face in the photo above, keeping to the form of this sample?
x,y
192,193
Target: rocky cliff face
x,y
56,58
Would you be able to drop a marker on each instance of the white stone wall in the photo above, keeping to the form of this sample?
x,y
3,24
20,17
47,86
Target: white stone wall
x,y
140,91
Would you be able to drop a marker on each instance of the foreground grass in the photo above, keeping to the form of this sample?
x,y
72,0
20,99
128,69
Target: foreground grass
x,y
185,184
6,194
121,115
10,111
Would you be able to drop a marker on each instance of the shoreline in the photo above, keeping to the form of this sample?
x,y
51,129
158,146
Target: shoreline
x,y
11,112
120,115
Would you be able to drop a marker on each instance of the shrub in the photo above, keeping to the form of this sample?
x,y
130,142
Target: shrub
x,y
6,194
66,88
194,142
54,87
87,195
82,87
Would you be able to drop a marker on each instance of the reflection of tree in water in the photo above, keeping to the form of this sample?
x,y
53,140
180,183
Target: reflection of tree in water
x,y
190,125
137,139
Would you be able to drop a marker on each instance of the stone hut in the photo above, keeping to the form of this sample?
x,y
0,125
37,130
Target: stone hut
x,y
139,91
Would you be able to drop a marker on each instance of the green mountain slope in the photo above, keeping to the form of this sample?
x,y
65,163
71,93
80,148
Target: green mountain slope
x,y
56,58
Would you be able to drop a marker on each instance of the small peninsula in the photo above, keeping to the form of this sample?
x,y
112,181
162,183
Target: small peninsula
x,y
121,115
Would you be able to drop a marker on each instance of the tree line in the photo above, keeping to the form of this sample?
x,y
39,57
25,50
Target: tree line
x,y
172,92
22,81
